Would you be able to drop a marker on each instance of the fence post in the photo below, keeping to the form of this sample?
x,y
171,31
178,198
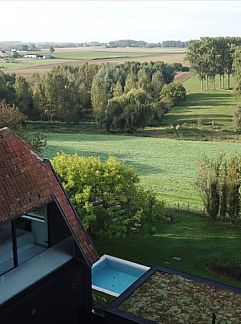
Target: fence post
x,y
213,318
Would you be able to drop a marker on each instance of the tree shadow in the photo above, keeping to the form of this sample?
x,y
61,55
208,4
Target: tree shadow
x,y
141,168
207,99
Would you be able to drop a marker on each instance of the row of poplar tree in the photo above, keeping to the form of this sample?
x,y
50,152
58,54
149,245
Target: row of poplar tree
x,y
210,57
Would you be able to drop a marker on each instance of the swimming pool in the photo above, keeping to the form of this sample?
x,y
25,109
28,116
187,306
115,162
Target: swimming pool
x,y
112,275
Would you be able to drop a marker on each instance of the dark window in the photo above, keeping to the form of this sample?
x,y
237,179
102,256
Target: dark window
x,y
6,247
32,234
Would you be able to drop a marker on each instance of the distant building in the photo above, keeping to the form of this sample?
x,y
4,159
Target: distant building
x,y
39,56
4,54
31,56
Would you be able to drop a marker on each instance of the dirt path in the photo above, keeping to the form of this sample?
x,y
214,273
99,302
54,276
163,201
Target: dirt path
x,y
182,76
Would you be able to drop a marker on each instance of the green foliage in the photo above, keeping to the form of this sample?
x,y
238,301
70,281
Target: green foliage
x,y
11,117
219,183
24,98
169,170
107,195
36,140
237,73
190,237
141,84
237,117
210,56
57,97
7,91
64,93
233,180
208,185
16,91
174,92
126,113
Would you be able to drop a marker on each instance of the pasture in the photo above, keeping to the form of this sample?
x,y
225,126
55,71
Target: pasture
x,y
166,166
205,115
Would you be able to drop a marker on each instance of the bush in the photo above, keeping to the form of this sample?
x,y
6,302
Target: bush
x,y
230,267
219,182
178,67
237,117
126,113
174,92
107,196
10,116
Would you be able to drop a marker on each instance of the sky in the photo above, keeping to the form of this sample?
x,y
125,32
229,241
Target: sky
x,y
83,21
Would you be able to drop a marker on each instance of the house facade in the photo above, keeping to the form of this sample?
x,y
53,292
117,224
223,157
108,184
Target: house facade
x,y
45,253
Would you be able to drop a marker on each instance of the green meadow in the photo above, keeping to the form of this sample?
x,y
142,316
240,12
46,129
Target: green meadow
x,y
167,163
194,239
205,115
164,165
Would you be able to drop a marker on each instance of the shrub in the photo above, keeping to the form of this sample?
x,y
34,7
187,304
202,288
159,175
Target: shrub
x,y
174,92
11,117
107,195
237,117
127,112
208,185
219,182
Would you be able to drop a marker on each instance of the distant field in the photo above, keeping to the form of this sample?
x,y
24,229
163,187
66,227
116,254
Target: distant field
x,y
166,166
76,56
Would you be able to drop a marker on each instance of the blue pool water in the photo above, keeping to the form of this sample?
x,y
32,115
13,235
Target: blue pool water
x,y
115,275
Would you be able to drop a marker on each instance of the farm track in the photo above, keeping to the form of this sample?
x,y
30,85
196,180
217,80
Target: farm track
x,y
183,76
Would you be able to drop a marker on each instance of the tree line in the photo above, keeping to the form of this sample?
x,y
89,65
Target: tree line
x,y
134,43
120,97
213,56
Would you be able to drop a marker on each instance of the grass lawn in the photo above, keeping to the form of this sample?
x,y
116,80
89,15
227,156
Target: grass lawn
x,y
166,166
205,115
192,238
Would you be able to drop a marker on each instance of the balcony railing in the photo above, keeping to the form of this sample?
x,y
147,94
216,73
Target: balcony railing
x,y
35,269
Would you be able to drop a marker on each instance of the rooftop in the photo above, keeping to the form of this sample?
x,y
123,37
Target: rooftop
x,y
166,296
27,182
